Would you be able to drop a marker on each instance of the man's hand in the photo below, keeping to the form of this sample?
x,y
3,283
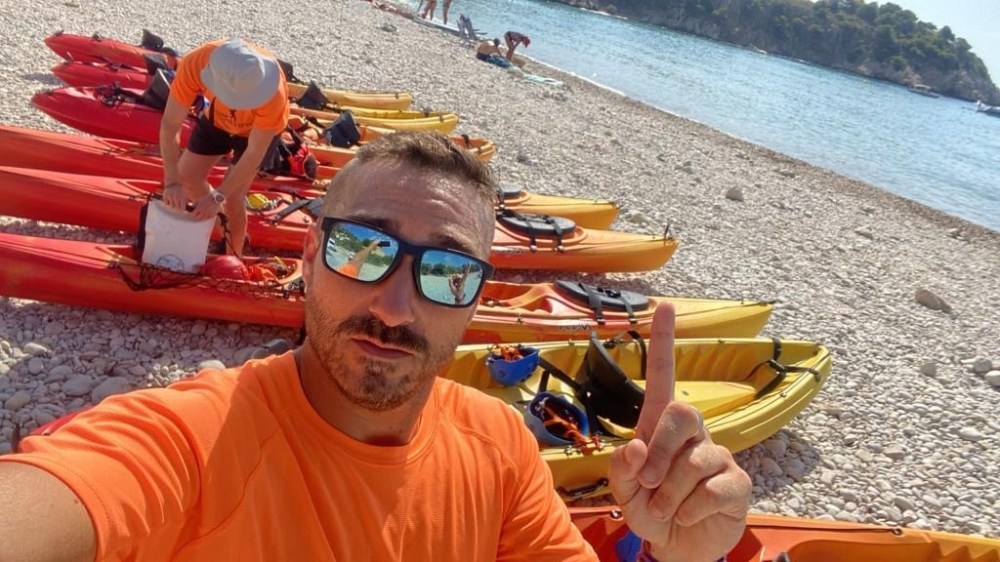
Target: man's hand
x,y
677,489
205,207
173,196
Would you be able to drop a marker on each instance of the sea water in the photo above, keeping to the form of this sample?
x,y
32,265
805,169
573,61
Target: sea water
x,y
939,152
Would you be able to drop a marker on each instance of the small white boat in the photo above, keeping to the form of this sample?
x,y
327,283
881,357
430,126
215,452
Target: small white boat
x,y
923,91
993,110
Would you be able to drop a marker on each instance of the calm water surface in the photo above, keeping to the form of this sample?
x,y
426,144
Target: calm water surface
x,y
939,152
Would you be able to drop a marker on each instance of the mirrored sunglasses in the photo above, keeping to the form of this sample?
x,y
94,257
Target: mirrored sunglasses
x,y
369,255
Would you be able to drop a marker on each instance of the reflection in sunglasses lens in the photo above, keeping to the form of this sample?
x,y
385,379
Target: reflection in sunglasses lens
x,y
360,252
449,278
366,254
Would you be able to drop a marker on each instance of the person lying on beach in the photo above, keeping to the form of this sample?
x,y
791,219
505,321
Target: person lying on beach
x,y
513,39
350,446
489,51
247,111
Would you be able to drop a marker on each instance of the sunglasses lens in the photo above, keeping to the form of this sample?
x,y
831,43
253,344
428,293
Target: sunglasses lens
x,y
360,252
450,278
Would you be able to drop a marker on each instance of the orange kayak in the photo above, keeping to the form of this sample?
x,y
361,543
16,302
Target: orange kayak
x,y
278,220
771,538
78,154
106,276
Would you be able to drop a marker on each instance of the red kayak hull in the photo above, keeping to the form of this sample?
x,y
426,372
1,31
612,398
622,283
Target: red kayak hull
x,y
113,204
95,111
85,74
98,49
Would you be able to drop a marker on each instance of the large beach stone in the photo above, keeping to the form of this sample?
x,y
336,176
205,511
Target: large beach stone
x,y
734,194
32,348
36,365
17,401
59,373
981,365
78,385
211,364
971,434
929,369
993,377
932,301
894,452
109,387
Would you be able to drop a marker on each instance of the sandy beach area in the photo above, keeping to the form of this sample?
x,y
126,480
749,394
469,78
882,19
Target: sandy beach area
x,y
905,431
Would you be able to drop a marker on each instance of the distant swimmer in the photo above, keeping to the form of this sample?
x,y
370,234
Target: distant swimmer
x,y
514,39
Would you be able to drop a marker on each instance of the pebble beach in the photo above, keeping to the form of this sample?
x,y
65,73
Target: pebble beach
x,y
906,430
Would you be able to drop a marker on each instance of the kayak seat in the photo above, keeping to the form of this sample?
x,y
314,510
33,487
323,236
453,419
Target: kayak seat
x,y
289,71
605,390
343,132
313,97
151,41
158,92
154,62
509,191
537,225
599,299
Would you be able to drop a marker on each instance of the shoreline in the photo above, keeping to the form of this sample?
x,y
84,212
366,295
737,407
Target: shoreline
x,y
864,188
842,257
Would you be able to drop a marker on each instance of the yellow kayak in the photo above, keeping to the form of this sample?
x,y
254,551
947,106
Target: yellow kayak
x,y
328,155
375,100
396,120
746,389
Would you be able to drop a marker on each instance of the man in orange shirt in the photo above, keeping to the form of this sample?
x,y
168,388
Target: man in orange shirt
x,y
351,447
247,111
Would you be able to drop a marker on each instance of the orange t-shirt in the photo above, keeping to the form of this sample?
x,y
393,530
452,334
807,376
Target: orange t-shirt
x,y
187,84
236,465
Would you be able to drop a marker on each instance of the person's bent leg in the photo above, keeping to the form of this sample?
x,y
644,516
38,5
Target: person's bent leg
x,y
247,158
206,146
193,170
510,46
235,210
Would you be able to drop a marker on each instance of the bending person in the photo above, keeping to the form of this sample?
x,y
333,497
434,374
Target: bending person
x,y
513,39
247,111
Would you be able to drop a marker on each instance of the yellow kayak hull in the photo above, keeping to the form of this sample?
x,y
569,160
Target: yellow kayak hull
x,y
376,100
442,123
726,379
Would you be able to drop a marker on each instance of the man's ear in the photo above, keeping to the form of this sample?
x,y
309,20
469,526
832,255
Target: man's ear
x,y
310,247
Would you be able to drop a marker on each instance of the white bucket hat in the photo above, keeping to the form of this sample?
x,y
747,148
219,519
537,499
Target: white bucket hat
x,y
240,76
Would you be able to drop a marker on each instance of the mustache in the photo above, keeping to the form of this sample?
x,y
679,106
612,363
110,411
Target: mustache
x,y
398,336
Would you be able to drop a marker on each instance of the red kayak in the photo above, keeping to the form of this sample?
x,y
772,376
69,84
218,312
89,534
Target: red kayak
x,y
106,111
102,50
84,74
771,538
278,220
95,275
80,154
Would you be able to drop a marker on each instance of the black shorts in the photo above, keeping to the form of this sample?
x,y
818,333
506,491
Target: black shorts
x,y
209,140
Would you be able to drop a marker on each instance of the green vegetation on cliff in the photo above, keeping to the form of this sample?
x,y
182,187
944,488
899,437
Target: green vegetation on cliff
x,y
882,41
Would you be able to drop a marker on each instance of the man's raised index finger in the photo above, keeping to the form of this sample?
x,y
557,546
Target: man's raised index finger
x,y
659,371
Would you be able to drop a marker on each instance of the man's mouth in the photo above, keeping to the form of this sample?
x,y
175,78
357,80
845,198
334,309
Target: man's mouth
x,y
380,349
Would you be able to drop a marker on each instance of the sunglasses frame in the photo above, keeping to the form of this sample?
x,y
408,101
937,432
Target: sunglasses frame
x,y
405,249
